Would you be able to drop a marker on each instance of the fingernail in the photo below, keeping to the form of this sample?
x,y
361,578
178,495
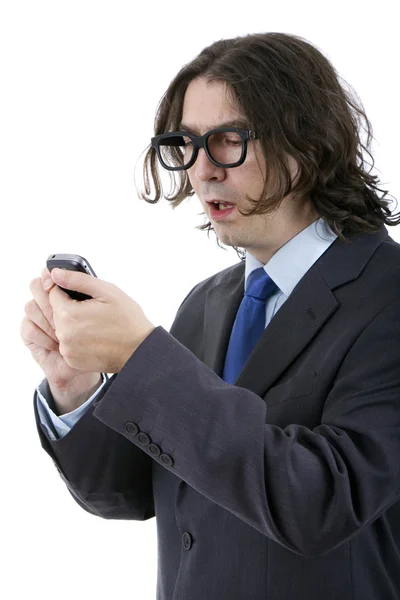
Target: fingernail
x,y
47,283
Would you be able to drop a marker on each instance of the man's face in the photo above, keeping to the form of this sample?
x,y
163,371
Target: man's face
x,y
205,107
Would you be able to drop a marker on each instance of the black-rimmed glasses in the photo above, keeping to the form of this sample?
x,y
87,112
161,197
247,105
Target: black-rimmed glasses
x,y
224,146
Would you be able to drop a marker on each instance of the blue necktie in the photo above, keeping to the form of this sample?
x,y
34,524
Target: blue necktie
x,y
249,323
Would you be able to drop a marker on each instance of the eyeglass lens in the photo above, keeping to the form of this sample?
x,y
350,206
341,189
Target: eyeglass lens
x,y
224,147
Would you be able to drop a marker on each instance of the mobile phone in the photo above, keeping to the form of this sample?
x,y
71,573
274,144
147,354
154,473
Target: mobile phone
x,y
71,262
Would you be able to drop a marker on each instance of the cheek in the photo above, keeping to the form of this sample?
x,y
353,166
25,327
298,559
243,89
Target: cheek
x,y
249,178
192,178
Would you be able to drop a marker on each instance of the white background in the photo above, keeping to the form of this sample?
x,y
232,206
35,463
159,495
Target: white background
x,y
80,83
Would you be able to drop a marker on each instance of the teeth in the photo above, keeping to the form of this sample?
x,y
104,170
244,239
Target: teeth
x,y
225,206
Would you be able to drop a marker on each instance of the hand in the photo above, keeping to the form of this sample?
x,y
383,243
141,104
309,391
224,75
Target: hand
x,y
39,336
99,334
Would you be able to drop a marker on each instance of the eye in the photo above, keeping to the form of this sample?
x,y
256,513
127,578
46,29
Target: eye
x,y
231,140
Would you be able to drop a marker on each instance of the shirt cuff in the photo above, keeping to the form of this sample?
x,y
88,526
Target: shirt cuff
x,y
56,426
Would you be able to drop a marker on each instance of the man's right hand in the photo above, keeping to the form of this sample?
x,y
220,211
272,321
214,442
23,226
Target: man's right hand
x,y
70,387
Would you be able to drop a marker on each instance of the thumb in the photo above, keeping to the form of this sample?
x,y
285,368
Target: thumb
x,y
77,281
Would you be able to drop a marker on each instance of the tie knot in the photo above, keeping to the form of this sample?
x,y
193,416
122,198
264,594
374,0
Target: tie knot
x,y
260,284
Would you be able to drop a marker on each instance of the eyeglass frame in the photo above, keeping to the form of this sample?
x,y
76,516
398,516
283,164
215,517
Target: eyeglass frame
x,y
200,141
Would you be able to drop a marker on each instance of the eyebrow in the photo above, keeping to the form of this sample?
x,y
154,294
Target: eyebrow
x,y
240,123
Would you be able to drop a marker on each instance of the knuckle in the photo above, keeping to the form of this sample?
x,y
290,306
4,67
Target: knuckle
x,y
22,329
61,320
66,351
34,283
71,361
30,307
65,339
27,329
68,355
64,314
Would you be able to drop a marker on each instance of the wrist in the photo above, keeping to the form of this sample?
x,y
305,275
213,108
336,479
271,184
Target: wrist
x,y
131,348
70,396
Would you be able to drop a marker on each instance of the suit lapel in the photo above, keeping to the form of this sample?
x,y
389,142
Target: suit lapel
x,y
296,323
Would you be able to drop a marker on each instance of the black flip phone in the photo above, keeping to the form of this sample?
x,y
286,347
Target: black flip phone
x,y
71,262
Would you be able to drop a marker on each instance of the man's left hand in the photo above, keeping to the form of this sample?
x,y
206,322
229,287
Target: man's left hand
x,y
99,334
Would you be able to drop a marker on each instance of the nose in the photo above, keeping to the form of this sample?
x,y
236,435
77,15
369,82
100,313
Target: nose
x,y
204,170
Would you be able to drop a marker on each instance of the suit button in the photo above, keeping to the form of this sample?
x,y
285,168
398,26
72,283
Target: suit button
x,y
187,540
143,438
154,449
131,428
166,459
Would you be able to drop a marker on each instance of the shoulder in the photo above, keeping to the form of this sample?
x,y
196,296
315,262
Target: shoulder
x,y
389,248
385,263
235,271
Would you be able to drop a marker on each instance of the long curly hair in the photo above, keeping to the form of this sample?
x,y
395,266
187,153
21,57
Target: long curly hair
x,y
291,96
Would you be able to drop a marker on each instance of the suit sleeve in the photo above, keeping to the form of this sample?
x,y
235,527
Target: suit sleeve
x,y
308,490
105,473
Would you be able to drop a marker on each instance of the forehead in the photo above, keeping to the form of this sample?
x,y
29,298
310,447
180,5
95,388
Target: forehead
x,y
209,104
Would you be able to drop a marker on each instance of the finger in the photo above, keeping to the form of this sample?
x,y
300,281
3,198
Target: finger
x,y
32,334
47,281
45,273
80,282
42,298
58,299
34,313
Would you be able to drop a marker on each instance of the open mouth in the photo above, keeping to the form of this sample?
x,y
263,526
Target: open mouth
x,y
221,205
221,211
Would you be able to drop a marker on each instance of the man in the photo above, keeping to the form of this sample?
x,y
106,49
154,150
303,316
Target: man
x,y
263,431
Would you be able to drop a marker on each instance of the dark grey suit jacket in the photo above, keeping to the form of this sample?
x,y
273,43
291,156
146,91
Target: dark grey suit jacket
x,y
284,486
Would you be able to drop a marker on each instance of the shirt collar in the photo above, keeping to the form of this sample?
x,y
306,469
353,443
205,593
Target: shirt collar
x,y
292,261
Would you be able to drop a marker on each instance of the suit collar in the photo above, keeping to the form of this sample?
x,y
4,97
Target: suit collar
x,y
307,309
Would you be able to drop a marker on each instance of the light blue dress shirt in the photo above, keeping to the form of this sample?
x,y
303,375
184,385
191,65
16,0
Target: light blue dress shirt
x,y
286,267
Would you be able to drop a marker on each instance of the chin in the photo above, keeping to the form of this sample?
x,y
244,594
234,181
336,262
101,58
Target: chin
x,y
229,240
